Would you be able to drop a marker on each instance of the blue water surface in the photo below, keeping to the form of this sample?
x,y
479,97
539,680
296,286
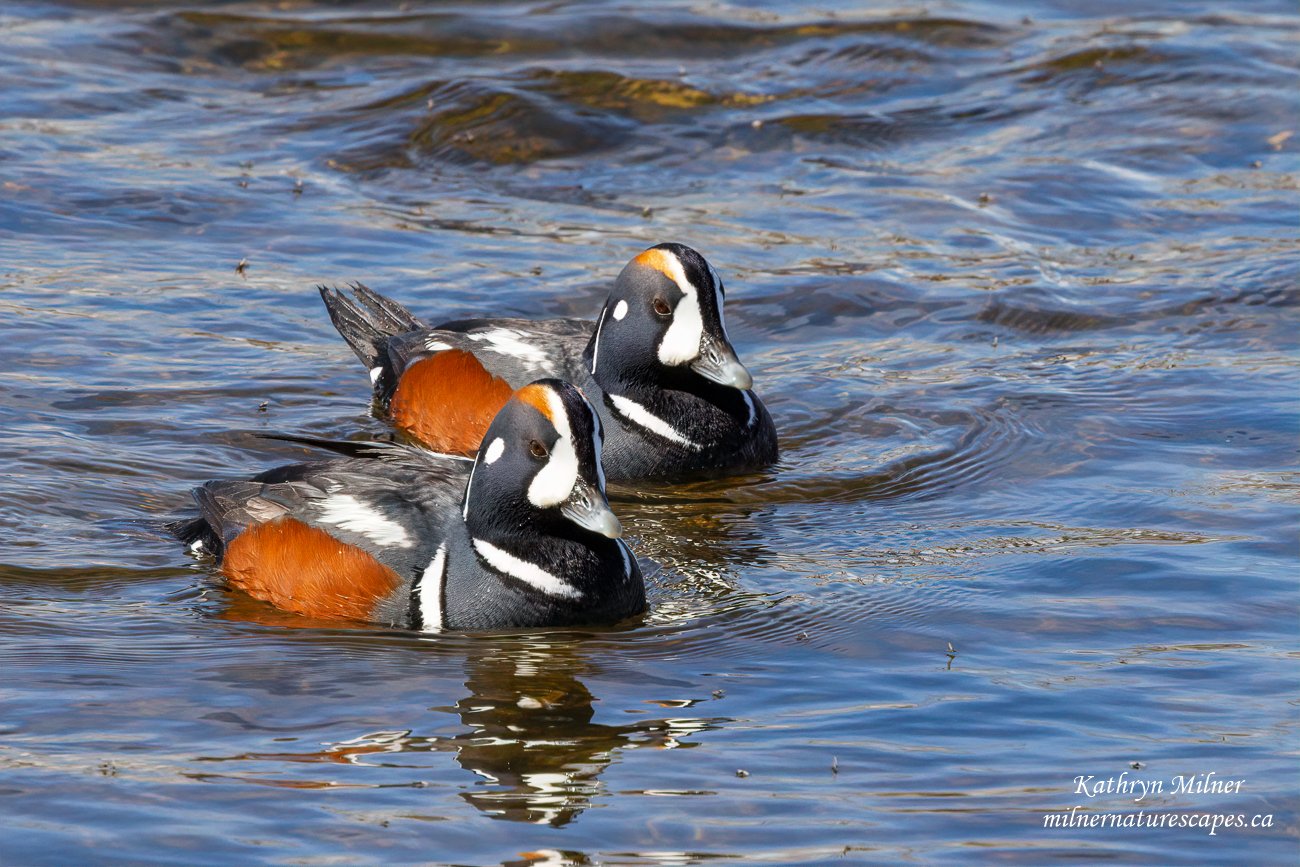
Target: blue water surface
x,y
1018,283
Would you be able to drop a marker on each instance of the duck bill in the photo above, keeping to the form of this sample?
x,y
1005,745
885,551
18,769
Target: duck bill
x,y
588,508
718,363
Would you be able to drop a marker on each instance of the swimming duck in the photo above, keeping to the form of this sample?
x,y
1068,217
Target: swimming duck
x,y
674,398
521,536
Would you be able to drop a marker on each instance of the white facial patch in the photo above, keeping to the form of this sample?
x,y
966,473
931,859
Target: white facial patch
x,y
529,573
681,343
553,484
348,513
431,583
642,417
620,310
508,341
494,450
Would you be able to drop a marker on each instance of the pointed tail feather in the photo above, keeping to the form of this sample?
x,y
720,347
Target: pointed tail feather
x,y
384,450
399,318
367,320
347,448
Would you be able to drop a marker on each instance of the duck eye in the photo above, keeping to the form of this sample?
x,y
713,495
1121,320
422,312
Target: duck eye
x,y
538,450
662,308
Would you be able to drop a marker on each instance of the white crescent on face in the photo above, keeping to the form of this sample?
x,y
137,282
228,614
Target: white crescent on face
x,y
554,482
681,343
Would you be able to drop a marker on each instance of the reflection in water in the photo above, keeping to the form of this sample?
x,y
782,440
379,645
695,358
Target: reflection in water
x,y
530,737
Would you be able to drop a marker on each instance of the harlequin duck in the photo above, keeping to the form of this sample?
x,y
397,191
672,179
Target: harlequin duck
x,y
522,536
657,362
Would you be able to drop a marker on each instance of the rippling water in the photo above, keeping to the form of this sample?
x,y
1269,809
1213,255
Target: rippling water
x,y
1019,286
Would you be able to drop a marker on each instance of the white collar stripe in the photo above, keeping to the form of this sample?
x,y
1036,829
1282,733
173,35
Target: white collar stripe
x,y
643,418
529,573
469,486
431,584
595,346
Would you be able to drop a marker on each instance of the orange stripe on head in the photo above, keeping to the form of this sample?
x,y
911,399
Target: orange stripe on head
x,y
299,568
538,397
660,260
447,401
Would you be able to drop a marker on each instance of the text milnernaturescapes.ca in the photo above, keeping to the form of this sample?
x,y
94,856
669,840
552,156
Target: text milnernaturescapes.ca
x,y
1142,819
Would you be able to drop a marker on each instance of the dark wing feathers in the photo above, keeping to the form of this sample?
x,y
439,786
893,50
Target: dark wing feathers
x,y
553,347
401,479
542,329
229,507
